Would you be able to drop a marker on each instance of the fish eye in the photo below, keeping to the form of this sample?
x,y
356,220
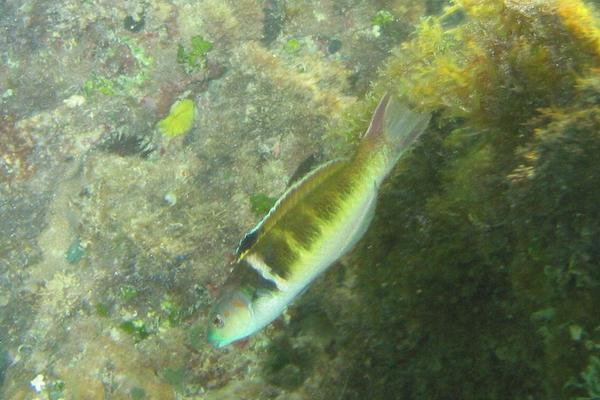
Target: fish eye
x,y
218,321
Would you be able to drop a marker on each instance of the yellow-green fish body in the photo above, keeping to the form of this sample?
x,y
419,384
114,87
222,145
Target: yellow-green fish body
x,y
316,221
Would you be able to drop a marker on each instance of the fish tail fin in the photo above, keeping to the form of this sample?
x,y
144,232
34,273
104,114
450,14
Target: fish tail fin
x,y
395,126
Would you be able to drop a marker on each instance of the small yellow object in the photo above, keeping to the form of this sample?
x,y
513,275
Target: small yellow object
x,y
180,119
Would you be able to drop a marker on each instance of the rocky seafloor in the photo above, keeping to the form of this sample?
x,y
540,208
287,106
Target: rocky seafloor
x,y
479,278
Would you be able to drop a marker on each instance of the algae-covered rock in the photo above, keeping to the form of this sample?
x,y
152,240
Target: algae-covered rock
x,y
478,279
480,261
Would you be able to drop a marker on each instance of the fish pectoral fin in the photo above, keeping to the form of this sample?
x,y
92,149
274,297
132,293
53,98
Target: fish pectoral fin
x,y
262,293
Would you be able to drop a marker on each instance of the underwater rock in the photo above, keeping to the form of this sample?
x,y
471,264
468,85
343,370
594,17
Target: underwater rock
x,y
481,262
273,21
75,252
334,46
134,25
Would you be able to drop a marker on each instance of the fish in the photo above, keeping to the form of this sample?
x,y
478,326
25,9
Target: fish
x,y
318,219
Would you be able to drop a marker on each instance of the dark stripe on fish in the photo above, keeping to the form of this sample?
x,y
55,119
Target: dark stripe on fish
x,y
276,253
302,226
324,209
251,281
343,187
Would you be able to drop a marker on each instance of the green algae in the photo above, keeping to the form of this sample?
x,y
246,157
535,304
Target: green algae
x,y
128,293
99,84
176,377
121,84
179,120
382,18
196,337
480,262
56,390
172,312
4,363
102,310
591,379
285,365
136,328
261,203
194,58
138,393
293,46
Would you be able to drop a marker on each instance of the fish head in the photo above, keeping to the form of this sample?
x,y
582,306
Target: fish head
x,y
231,318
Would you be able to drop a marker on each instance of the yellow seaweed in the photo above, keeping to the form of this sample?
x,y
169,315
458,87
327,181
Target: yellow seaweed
x,y
180,119
581,22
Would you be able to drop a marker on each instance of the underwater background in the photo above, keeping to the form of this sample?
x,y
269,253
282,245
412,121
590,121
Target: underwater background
x,y
139,140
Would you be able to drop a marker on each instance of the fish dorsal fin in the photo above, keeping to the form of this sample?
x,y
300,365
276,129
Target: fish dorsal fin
x,y
247,241
310,163
292,196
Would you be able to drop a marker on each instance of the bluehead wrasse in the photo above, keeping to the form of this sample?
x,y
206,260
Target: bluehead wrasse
x,y
317,220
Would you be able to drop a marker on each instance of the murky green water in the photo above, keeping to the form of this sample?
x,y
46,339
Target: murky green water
x,y
140,141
